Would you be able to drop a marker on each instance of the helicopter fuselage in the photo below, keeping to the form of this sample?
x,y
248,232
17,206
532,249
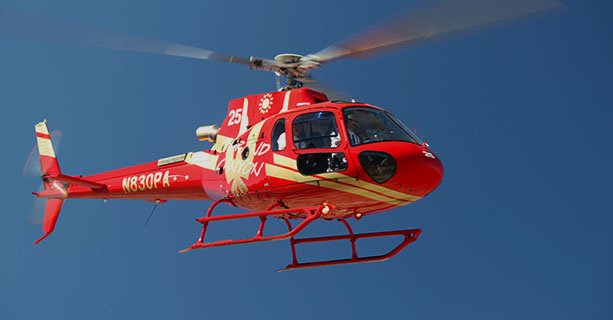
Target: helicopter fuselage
x,y
259,159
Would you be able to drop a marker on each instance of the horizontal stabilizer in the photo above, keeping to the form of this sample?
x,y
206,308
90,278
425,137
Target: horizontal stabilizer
x,y
79,181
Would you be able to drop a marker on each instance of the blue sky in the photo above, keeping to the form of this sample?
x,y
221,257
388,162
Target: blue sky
x,y
520,115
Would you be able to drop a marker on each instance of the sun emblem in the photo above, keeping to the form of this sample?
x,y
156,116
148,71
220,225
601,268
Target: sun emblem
x,y
265,103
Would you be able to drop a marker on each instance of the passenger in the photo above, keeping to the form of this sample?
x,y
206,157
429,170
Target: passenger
x,y
299,136
353,129
324,134
281,142
335,138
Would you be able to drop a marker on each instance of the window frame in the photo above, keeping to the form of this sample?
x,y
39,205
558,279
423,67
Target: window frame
x,y
273,139
335,122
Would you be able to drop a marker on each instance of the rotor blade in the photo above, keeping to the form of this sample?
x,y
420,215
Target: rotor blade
x,y
429,22
331,93
27,26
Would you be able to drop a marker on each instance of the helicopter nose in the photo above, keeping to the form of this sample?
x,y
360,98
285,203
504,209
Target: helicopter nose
x,y
420,171
406,166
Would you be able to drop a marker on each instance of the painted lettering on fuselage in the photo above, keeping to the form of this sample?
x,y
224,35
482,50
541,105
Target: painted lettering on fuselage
x,y
242,168
150,181
245,168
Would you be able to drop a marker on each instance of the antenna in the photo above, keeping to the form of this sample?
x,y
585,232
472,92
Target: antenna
x,y
152,211
349,89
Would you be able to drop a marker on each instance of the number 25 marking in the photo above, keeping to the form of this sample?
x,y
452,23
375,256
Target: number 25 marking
x,y
235,116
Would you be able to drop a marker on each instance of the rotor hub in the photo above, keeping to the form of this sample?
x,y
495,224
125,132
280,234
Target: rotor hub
x,y
288,58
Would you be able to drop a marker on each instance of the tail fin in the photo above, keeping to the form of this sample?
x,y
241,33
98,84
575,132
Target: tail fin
x,y
49,168
48,161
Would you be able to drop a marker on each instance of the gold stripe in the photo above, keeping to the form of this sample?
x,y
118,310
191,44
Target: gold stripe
x,y
45,148
255,131
171,160
384,190
287,174
286,101
361,192
291,163
221,142
285,161
245,118
203,159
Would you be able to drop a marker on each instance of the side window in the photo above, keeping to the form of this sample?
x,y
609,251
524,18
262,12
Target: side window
x,y
315,130
278,136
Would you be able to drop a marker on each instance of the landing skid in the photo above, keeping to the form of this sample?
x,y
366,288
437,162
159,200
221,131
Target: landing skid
x,y
409,237
308,215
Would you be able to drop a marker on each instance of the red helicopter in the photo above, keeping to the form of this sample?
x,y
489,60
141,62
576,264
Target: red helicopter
x,y
292,154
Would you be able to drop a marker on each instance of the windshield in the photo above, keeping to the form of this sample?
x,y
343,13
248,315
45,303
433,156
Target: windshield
x,y
366,125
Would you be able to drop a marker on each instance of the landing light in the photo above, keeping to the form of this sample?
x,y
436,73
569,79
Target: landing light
x,y
380,166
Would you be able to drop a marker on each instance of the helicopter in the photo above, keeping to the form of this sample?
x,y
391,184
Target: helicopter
x,y
292,154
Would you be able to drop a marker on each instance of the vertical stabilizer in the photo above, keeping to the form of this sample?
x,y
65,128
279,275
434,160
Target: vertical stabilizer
x,y
49,168
48,161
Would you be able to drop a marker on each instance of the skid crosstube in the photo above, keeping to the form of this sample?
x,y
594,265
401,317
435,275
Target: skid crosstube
x,y
308,215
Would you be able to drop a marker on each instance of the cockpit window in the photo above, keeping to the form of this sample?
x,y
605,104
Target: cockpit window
x,y
366,125
315,130
278,136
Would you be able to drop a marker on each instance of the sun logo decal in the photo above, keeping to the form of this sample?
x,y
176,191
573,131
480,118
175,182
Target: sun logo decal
x,y
265,103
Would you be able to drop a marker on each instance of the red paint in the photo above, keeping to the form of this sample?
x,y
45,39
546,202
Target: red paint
x,y
267,178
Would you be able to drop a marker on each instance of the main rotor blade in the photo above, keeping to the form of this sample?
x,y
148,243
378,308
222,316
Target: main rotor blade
x,y
331,93
440,18
27,26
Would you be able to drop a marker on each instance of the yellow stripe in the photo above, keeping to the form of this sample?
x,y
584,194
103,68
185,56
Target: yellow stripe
x,y
291,163
287,174
221,142
286,101
255,131
284,161
361,192
45,148
296,176
203,159
384,190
